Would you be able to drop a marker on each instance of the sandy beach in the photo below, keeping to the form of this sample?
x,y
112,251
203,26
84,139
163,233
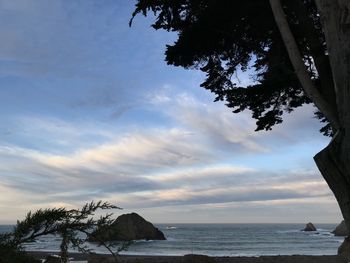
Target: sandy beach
x,y
76,257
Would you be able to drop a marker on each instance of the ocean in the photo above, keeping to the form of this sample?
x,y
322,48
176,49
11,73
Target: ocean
x,y
224,240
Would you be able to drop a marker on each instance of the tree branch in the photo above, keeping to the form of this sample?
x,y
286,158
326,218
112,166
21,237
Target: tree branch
x,y
299,66
335,18
317,51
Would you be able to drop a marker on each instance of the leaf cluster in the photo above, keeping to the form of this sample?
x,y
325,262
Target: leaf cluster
x,y
223,37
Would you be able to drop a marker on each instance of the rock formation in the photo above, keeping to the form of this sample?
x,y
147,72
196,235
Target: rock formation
x,y
128,227
341,230
309,227
344,250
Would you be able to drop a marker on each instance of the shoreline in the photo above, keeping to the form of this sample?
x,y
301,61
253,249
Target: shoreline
x,y
201,258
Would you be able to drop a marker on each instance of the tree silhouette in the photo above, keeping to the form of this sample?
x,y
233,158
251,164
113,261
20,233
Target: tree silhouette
x,y
74,226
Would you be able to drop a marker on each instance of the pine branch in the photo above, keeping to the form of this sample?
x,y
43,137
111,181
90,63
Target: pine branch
x,y
65,223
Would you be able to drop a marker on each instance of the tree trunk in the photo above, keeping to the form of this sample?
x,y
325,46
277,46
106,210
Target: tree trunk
x,y
334,160
64,247
334,165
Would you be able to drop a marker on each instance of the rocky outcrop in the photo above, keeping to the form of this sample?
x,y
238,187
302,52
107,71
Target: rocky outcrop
x,y
341,230
344,249
309,227
128,227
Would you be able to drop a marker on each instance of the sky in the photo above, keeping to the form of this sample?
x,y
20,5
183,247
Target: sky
x,y
90,111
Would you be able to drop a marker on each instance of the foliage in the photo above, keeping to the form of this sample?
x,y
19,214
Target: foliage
x,y
69,224
222,37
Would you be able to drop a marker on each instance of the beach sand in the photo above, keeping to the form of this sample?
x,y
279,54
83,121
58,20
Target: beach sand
x,y
180,259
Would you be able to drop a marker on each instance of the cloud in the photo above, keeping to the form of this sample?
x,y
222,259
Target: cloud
x,y
235,133
193,164
118,165
223,192
153,168
213,122
138,153
196,176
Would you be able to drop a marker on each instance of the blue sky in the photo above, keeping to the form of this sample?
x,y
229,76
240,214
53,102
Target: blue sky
x,y
89,110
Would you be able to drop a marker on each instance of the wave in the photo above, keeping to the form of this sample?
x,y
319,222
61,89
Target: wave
x,y
171,227
289,231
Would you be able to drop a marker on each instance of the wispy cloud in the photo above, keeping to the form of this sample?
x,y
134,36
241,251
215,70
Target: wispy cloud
x,y
153,167
221,192
153,178
215,123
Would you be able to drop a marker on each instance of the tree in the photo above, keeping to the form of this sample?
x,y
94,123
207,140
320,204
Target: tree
x,y
74,226
300,53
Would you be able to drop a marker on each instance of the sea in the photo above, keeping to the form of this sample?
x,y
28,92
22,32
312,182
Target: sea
x,y
222,240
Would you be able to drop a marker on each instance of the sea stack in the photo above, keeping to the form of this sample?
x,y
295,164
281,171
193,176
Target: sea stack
x,y
309,227
128,227
341,230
